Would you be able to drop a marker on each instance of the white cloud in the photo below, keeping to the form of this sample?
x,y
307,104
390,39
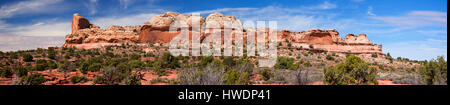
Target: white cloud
x,y
124,3
51,28
27,7
14,42
223,10
92,6
325,5
369,11
417,19
3,25
417,50
433,32
107,21
296,19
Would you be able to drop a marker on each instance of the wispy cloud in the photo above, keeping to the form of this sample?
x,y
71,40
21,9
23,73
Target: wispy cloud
x,y
137,19
44,28
417,19
369,11
92,6
418,50
325,5
14,42
223,10
124,3
27,7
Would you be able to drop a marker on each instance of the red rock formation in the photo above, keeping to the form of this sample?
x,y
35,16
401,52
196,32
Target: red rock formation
x,y
84,32
157,31
79,22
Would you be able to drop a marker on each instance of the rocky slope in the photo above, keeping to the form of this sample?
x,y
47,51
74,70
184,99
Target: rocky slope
x,y
156,30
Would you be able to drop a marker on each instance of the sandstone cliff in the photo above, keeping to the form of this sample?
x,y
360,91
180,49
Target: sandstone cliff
x,y
156,30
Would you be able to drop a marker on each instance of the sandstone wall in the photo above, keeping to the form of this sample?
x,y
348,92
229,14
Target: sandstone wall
x,y
156,30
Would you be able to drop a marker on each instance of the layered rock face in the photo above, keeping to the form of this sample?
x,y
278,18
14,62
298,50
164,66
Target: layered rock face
x,y
84,32
156,30
331,41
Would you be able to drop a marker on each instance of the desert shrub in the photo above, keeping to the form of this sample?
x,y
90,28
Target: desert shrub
x,y
5,72
13,55
21,71
158,80
68,55
352,71
294,66
284,63
266,74
329,57
307,64
158,70
374,55
229,61
95,67
134,57
133,79
311,46
207,75
243,65
78,79
41,65
84,67
123,68
95,60
434,72
52,65
233,77
149,54
169,61
27,57
136,64
205,61
110,76
51,54
33,79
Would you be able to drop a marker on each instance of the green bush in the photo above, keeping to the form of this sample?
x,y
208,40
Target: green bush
x,y
135,57
434,72
307,64
51,54
78,79
41,65
284,63
123,68
95,67
52,65
374,55
27,57
158,70
84,67
229,61
266,74
21,71
136,64
329,57
5,72
233,77
33,79
352,71
205,61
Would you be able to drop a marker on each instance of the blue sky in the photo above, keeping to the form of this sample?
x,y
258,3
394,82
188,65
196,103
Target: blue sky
x,y
416,29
